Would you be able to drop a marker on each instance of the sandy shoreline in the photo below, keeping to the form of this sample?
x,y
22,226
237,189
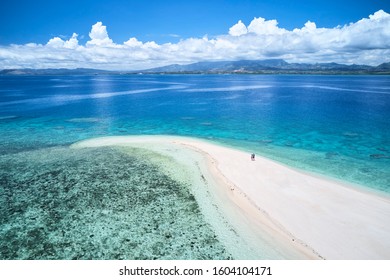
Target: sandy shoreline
x,y
308,216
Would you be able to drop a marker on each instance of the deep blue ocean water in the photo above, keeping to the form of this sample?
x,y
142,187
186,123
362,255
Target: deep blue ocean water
x,y
335,125
338,126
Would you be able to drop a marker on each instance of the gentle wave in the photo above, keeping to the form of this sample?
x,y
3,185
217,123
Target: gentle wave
x,y
232,97
233,88
62,99
340,89
4,118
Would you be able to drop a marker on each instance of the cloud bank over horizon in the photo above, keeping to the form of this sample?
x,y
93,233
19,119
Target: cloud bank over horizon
x,y
366,41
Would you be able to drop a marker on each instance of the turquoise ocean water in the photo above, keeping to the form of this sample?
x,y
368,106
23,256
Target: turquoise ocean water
x,y
54,206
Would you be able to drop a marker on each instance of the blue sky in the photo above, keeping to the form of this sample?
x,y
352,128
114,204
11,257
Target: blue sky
x,y
25,21
183,24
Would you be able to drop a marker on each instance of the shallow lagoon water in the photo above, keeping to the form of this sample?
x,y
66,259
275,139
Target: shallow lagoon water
x,y
338,126
101,203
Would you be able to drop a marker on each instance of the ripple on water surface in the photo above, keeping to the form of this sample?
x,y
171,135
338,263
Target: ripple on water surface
x,y
98,203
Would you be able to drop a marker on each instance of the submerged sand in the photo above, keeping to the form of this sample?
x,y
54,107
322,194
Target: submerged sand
x,y
264,206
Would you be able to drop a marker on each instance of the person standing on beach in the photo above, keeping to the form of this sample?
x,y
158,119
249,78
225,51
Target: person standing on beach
x,y
253,157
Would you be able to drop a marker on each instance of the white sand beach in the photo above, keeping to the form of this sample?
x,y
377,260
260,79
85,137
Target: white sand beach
x,y
301,215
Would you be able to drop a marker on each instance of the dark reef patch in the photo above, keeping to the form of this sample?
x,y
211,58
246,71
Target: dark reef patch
x,y
97,203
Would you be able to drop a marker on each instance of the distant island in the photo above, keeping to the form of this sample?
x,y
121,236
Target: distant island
x,y
268,66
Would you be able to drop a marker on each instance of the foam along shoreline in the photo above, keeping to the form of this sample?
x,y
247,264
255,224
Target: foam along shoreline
x,y
303,216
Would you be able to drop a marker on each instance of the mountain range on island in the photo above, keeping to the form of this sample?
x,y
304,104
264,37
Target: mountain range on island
x,y
268,66
271,66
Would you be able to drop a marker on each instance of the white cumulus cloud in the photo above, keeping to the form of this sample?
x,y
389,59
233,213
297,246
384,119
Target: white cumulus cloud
x,y
238,29
133,43
99,35
262,26
366,41
57,42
